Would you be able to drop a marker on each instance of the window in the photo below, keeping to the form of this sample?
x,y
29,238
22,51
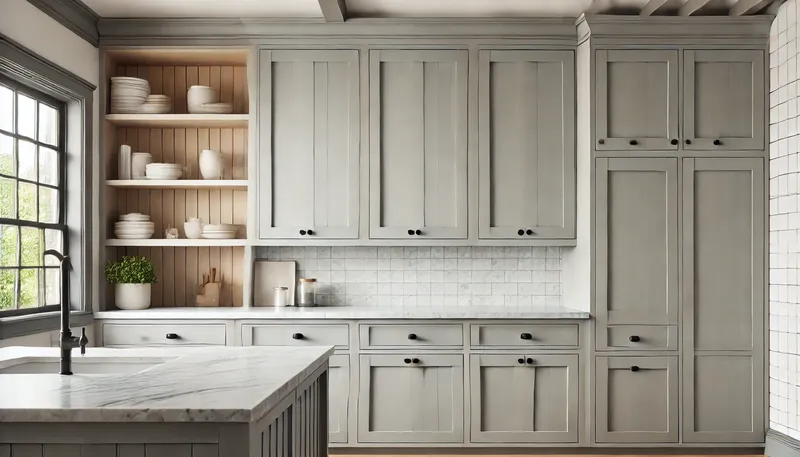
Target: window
x,y
32,198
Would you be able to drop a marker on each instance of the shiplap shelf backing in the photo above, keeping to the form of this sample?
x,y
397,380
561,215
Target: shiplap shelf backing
x,y
178,138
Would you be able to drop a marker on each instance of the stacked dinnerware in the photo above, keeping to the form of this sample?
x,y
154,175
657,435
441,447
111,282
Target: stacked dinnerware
x,y
205,100
128,94
163,171
134,226
156,104
220,231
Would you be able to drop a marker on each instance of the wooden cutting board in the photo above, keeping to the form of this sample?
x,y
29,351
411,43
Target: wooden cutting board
x,y
269,274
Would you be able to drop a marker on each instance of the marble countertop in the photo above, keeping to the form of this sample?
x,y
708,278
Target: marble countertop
x,y
353,312
230,384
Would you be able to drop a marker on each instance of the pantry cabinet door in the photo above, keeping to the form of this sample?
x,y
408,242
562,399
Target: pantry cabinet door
x,y
724,95
527,144
418,144
637,99
308,163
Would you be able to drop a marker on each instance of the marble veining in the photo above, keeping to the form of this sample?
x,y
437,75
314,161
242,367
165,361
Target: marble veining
x,y
230,384
354,312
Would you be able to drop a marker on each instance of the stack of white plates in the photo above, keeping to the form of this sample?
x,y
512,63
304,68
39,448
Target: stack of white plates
x,y
214,108
128,94
163,171
156,104
220,231
134,226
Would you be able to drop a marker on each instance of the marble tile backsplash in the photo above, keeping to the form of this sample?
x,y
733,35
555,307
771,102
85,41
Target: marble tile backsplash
x,y
428,276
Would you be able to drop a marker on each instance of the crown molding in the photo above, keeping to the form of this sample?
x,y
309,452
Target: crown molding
x,y
74,15
196,31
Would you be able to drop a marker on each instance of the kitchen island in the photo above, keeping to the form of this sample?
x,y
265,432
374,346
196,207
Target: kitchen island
x,y
176,402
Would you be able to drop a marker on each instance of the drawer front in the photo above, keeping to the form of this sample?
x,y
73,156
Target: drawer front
x,y
412,335
638,338
515,335
123,335
295,335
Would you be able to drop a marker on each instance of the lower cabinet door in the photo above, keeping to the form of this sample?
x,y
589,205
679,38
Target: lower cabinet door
x,y
517,398
338,397
637,399
411,398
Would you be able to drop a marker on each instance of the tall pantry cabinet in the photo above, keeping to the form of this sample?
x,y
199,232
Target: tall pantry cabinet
x,y
678,153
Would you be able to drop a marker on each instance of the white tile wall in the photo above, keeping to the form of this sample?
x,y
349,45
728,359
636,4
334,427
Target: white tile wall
x,y
428,276
784,211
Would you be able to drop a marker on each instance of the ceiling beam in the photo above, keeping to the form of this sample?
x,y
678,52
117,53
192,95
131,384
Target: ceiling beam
x,y
743,7
691,6
333,10
651,7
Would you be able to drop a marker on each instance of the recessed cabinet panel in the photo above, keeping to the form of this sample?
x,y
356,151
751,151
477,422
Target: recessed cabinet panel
x,y
724,99
309,138
527,149
637,241
518,398
338,397
637,99
411,398
418,144
636,400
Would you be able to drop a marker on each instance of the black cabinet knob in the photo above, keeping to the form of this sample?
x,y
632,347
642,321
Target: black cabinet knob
x,y
418,232
412,336
298,336
521,361
302,232
520,232
601,141
717,143
310,232
633,142
526,336
688,141
529,232
634,338
673,142
529,361
407,360
415,360
172,336
410,232
634,368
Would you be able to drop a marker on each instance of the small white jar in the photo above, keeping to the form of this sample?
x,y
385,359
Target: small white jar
x,y
281,299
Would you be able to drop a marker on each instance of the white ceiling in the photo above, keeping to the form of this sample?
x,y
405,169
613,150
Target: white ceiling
x,y
400,8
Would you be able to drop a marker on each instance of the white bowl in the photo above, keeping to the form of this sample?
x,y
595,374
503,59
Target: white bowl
x,y
220,227
198,96
135,217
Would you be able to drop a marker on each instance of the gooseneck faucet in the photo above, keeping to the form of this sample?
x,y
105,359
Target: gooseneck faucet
x,y
67,342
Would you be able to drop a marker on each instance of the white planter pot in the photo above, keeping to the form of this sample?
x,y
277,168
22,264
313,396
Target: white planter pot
x,y
132,296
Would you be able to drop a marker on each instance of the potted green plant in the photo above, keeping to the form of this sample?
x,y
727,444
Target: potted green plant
x,y
132,277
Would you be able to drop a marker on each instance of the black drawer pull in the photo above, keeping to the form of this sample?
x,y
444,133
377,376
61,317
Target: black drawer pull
x,y
407,360
172,336
298,336
529,232
521,361
634,338
303,232
717,143
673,142
633,142
520,232
526,336
412,336
415,360
601,141
634,368
529,361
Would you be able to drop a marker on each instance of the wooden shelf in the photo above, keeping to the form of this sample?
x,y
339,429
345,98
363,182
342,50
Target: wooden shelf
x,y
179,120
181,242
235,184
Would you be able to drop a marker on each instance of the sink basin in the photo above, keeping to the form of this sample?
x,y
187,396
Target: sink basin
x,y
88,365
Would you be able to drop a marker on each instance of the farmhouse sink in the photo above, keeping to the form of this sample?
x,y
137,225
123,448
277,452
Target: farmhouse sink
x,y
87,365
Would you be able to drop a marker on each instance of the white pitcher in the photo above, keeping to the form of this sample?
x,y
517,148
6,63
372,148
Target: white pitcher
x,y
211,165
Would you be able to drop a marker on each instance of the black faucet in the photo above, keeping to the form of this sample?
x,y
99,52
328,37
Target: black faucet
x,y
67,342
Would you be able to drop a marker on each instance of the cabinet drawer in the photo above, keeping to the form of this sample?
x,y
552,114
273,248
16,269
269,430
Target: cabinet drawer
x,y
524,335
413,335
121,335
295,335
638,338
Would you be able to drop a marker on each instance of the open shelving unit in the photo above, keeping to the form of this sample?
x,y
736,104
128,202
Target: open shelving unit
x,y
178,137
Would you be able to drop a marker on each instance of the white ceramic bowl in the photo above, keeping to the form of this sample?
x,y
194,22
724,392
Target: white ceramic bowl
x,y
197,96
220,228
192,230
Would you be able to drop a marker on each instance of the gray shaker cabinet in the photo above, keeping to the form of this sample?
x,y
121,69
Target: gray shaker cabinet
x,y
524,398
418,144
637,98
724,99
338,397
636,400
411,398
308,144
527,144
723,299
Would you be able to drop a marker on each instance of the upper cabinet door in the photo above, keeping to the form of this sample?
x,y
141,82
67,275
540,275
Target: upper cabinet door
x,y
309,144
723,99
527,144
418,144
637,100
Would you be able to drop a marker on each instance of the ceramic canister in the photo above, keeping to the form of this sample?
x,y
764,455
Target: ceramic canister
x,y
211,165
